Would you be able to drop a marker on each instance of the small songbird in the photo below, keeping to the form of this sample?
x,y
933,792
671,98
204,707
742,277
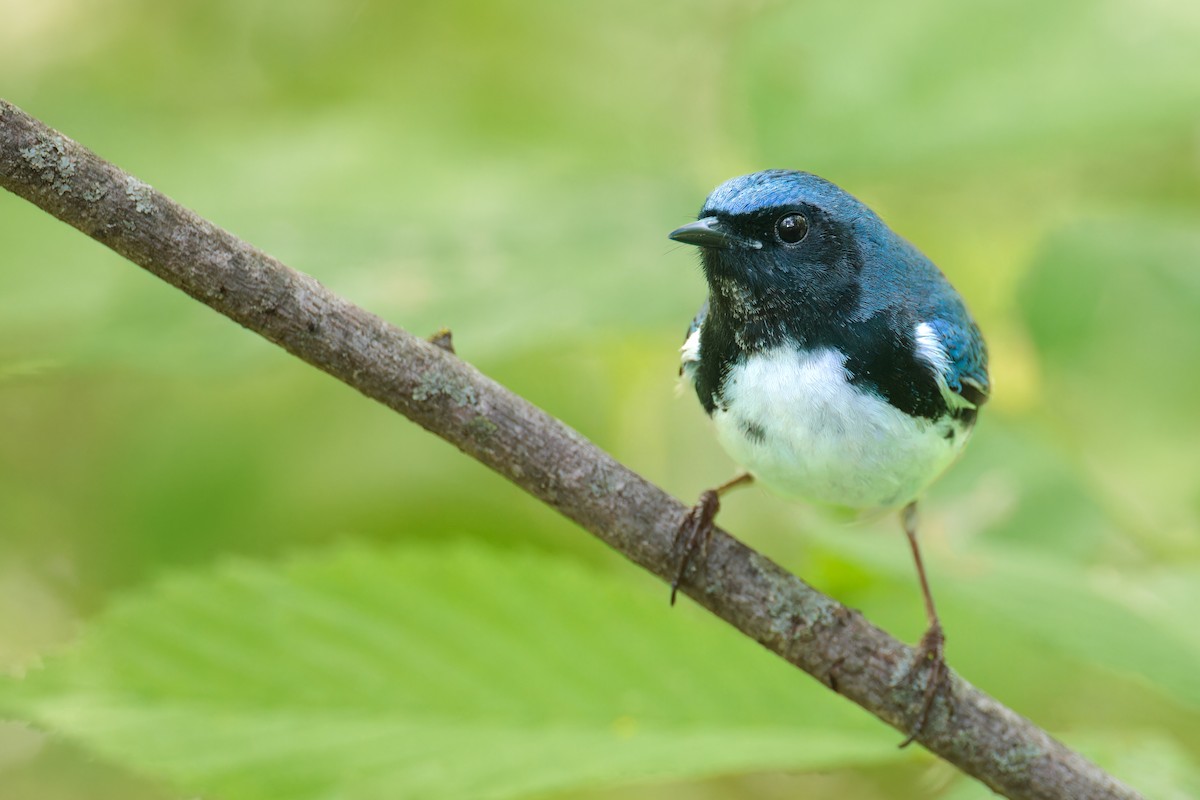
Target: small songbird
x,y
838,364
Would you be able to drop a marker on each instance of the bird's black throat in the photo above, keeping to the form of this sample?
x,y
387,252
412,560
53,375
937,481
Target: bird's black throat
x,y
880,350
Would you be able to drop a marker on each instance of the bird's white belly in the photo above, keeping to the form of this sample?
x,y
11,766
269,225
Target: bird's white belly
x,y
794,421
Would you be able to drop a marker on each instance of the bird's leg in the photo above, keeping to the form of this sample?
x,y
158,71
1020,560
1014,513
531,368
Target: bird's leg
x,y
931,650
697,525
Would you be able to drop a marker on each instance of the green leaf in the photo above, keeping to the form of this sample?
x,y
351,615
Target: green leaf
x,y
1134,621
1099,615
449,672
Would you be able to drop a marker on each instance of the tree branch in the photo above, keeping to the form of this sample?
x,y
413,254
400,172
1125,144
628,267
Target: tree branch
x,y
540,454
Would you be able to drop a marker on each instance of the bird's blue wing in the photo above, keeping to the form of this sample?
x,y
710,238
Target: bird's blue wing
x,y
958,356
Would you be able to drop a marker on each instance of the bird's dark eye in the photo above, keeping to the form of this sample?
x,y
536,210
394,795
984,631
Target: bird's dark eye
x,y
791,228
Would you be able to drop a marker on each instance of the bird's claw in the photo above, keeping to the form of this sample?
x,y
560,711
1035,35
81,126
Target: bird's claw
x,y
694,530
931,653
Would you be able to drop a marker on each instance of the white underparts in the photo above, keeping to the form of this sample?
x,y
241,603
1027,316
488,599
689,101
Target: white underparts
x,y
793,419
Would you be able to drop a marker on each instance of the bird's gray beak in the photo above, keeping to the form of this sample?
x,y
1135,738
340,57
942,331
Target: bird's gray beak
x,y
711,232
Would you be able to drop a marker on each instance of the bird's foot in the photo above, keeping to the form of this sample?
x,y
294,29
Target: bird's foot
x,y
931,654
694,531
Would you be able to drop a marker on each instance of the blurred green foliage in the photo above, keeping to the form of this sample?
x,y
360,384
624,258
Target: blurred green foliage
x,y
510,170
432,672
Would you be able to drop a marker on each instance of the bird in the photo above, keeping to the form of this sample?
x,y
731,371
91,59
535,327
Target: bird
x,y
835,360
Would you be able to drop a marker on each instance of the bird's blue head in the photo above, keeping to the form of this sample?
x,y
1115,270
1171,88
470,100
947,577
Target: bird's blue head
x,y
782,241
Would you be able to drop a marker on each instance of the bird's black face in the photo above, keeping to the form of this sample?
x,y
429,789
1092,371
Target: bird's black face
x,y
795,260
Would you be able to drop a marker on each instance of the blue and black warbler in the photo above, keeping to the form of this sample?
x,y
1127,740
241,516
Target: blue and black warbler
x,y
837,363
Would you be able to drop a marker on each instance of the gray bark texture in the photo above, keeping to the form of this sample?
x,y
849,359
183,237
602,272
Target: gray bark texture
x,y
431,386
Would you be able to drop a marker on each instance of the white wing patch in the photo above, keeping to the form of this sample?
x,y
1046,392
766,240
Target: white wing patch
x,y
930,349
689,359
690,352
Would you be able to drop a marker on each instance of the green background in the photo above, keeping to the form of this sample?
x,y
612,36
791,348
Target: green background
x,y
284,590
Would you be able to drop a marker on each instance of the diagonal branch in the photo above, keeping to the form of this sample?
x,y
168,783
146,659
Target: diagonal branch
x,y
540,454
